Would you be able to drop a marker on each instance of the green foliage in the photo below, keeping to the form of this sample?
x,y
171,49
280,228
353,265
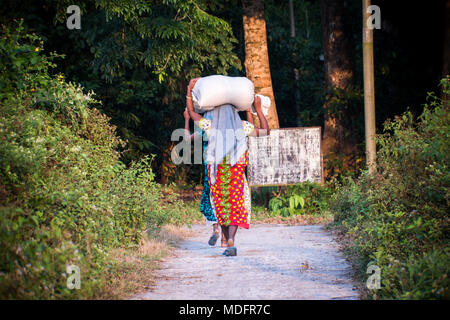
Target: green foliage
x,y
65,196
422,276
20,61
138,57
164,36
303,198
399,218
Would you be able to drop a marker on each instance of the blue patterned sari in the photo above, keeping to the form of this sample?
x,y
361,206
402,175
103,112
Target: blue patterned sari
x,y
205,202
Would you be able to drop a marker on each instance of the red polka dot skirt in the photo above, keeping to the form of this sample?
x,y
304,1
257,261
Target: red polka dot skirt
x,y
228,192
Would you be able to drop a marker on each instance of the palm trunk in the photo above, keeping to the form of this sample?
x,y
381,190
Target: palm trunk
x,y
257,56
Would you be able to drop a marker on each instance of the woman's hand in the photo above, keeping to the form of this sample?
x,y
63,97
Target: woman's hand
x,y
264,130
249,115
189,105
186,114
191,84
257,104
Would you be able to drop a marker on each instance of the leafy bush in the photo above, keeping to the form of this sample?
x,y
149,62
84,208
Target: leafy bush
x,y
302,198
399,217
65,198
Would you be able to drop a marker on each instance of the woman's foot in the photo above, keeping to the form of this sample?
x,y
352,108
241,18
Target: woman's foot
x,y
224,241
212,241
230,243
230,252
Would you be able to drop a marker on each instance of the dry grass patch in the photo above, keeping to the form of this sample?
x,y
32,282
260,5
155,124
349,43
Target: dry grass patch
x,y
132,271
172,234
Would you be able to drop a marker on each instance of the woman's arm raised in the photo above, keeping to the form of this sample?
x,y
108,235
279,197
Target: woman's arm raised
x,y
264,130
187,133
189,104
249,115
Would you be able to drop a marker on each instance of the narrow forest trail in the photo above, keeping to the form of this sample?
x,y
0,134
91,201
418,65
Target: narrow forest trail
x,y
273,262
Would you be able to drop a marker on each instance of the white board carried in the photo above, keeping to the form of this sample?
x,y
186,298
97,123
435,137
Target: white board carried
x,y
286,156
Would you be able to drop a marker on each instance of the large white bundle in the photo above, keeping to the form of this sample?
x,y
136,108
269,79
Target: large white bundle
x,y
213,91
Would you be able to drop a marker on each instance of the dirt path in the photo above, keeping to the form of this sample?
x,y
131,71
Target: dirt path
x,y
273,262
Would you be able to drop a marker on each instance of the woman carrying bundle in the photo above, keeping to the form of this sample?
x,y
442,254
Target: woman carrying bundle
x,y
205,203
227,159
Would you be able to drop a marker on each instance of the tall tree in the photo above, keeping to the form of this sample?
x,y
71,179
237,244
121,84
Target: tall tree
x,y
339,72
256,54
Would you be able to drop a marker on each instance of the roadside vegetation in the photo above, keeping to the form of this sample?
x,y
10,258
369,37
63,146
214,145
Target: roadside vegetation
x,y
66,198
398,219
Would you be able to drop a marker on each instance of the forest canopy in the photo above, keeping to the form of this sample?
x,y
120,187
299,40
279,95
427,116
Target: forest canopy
x,y
137,56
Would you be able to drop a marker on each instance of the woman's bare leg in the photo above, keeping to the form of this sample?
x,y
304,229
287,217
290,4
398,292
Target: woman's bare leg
x,y
224,233
216,228
231,234
224,241
212,241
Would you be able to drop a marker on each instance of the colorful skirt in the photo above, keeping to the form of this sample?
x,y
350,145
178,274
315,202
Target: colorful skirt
x,y
230,195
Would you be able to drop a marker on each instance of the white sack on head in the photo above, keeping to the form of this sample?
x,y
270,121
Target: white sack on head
x,y
213,91
265,105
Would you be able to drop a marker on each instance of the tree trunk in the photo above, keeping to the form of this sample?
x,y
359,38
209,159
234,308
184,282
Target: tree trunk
x,y
339,72
257,56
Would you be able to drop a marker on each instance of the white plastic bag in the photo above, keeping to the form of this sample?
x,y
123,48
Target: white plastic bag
x,y
213,91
